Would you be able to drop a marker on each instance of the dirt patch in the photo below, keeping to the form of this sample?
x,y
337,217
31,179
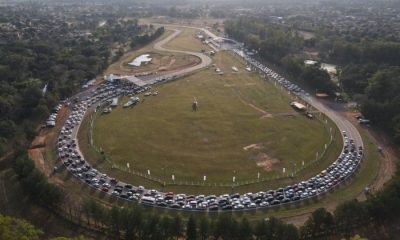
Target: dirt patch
x,y
36,155
298,220
265,162
268,115
38,142
254,146
265,113
173,60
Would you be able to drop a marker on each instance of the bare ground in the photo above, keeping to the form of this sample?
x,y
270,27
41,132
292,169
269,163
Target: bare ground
x,y
265,162
265,113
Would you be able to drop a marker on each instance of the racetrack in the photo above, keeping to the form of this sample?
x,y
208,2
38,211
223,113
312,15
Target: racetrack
x,y
205,60
340,121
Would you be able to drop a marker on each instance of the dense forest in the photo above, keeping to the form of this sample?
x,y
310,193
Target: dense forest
x,y
59,56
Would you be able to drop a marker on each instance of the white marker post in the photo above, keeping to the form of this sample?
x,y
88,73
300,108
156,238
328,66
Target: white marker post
x,y
173,177
148,171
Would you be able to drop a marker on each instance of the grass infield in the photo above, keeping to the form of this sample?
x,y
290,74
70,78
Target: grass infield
x,y
236,110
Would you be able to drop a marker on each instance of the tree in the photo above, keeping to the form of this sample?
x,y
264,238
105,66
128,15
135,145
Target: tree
x,y
260,230
22,165
176,227
317,78
165,227
204,228
115,221
226,227
191,228
318,224
350,215
245,231
17,229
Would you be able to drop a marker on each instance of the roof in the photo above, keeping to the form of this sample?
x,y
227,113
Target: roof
x,y
310,62
141,59
298,105
322,95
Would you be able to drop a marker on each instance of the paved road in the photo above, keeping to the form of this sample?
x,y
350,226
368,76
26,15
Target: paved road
x,y
209,33
205,60
338,119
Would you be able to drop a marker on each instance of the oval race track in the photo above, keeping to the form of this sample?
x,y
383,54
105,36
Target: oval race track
x,y
87,101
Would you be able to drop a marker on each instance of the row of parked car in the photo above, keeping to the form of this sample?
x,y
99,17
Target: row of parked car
x,y
69,153
51,120
293,88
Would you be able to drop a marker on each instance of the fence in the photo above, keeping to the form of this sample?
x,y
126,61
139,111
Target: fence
x,y
287,175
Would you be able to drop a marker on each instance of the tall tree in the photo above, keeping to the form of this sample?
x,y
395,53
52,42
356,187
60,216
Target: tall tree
x,y
191,228
17,229
204,228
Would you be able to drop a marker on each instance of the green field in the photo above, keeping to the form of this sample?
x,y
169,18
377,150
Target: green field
x,y
236,110
186,41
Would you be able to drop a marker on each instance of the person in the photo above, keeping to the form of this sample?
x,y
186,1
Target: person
x,y
194,105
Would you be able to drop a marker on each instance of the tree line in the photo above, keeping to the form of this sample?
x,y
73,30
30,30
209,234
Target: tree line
x,y
134,221
137,222
35,184
61,58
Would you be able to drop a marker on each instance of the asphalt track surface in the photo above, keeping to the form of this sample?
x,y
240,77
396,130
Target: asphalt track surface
x,y
205,60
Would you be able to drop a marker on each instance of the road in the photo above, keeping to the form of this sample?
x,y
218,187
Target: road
x,y
209,33
342,123
205,60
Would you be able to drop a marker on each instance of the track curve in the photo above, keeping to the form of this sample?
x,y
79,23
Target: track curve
x,y
205,60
